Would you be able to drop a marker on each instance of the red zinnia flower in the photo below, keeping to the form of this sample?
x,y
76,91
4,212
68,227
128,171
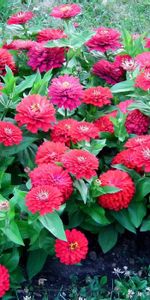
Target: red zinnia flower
x,y
143,80
143,60
19,45
36,112
137,141
109,71
50,152
61,132
6,59
10,134
80,163
105,39
126,158
4,280
83,131
147,45
44,199
65,11
21,17
74,250
66,91
50,34
121,199
52,175
45,59
104,123
97,96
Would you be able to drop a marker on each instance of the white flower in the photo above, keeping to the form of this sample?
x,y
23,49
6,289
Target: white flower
x,y
130,294
117,271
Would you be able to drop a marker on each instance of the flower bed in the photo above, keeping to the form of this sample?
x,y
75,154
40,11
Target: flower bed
x,y
74,142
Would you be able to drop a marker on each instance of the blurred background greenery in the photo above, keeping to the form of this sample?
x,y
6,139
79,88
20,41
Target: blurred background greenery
x,y
131,14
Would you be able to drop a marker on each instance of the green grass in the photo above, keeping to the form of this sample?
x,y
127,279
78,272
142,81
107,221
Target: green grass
x,y
132,14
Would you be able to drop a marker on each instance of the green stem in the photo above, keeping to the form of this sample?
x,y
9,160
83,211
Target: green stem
x,y
25,31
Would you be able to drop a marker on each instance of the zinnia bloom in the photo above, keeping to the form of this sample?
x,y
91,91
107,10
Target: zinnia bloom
x,y
104,123
97,96
147,44
143,80
80,163
83,131
43,199
65,11
52,175
50,152
4,280
121,199
137,141
21,17
61,132
36,113
74,250
19,45
10,134
143,60
126,158
105,39
6,59
66,91
111,72
50,34
45,59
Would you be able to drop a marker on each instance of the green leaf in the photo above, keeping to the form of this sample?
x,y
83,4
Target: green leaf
x,y
36,261
82,187
11,150
53,223
142,189
124,86
137,211
124,219
107,238
11,260
97,213
145,225
95,146
131,172
75,219
13,233
25,84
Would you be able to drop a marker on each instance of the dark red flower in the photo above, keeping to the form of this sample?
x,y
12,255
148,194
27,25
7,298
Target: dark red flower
x,y
121,199
74,250
105,39
10,134
45,59
104,123
6,59
36,112
21,17
50,34
50,152
44,199
52,175
97,96
80,163
65,11
111,72
4,280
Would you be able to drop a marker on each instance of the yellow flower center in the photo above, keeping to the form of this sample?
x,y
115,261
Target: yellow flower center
x,y
65,8
8,130
66,84
35,107
73,246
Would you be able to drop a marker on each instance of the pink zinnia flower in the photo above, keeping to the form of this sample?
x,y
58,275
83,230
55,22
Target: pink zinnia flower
x,y
21,17
36,112
65,11
50,152
80,163
66,91
105,39
143,60
6,59
50,34
10,134
83,131
19,45
137,141
45,59
143,80
61,132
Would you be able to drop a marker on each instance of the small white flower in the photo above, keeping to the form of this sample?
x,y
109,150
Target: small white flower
x,y
27,298
41,281
117,271
130,294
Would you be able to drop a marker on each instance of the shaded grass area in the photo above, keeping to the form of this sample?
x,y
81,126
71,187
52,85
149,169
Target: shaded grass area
x,y
131,14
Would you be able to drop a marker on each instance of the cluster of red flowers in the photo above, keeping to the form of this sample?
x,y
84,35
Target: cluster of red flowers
x,y
4,280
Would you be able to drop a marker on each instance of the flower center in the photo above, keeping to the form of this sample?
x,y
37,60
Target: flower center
x,y
84,128
96,93
81,158
52,154
67,126
43,195
20,15
147,76
65,8
73,246
146,153
35,107
8,130
66,84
